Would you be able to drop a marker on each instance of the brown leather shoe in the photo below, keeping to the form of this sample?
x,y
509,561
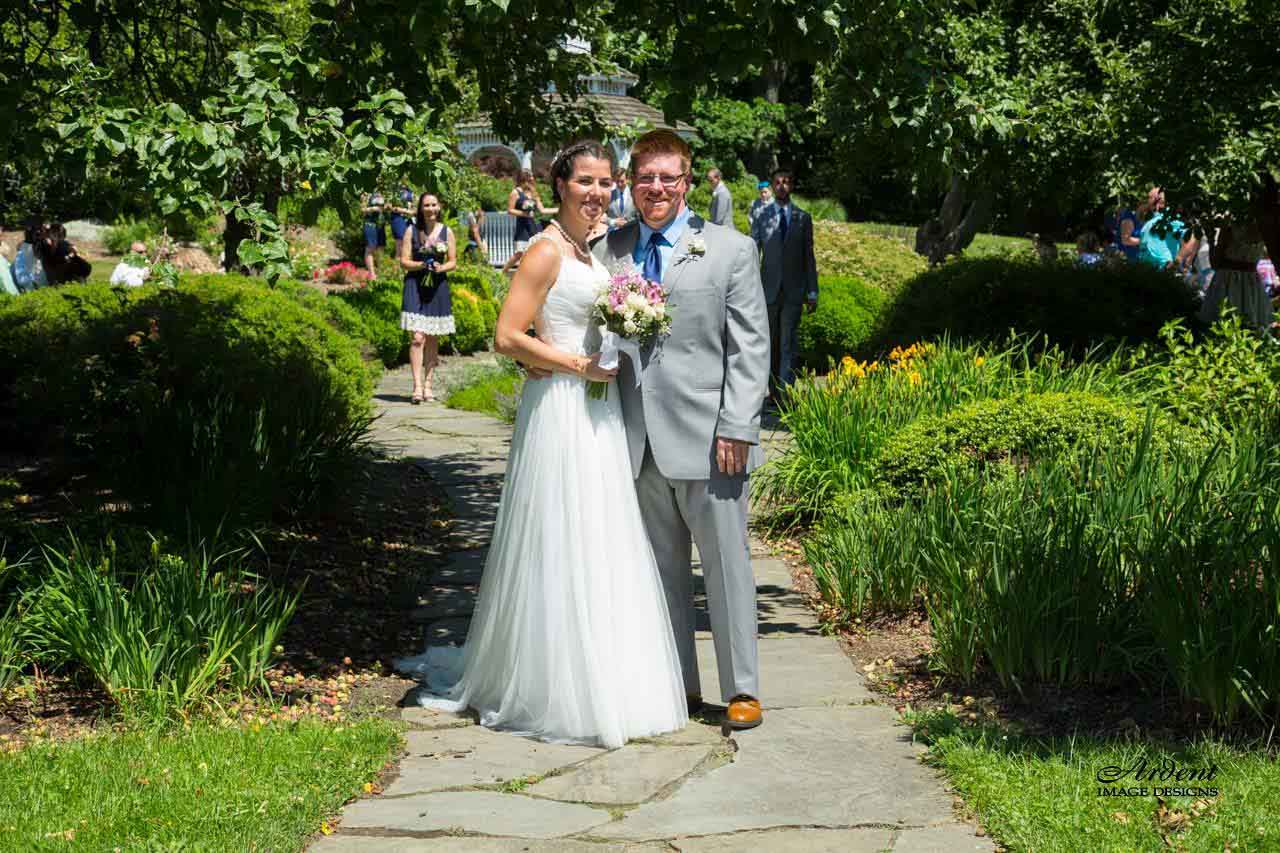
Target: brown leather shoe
x,y
743,713
695,703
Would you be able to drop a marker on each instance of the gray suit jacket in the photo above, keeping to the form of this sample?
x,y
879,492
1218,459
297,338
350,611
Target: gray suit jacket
x,y
623,207
708,378
721,212
789,271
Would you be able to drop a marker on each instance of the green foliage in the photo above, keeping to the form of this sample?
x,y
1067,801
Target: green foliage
x,y
1230,378
845,250
845,322
1013,431
728,129
493,389
117,239
266,786
840,424
248,402
159,632
1069,305
743,191
822,209
1112,563
378,307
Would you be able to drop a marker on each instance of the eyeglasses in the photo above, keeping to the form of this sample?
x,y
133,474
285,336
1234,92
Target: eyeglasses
x,y
668,181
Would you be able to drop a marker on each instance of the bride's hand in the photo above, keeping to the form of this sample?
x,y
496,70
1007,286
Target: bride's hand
x,y
589,368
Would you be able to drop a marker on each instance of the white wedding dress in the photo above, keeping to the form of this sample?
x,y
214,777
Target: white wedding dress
x,y
570,640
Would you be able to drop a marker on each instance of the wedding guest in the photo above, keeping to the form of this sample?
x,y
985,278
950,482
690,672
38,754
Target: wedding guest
x,y
133,270
622,207
721,212
477,248
1234,257
428,254
789,272
375,233
28,266
6,276
1165,243
525,205
402,213
1088,249
61,261
1129,224
1266,272
764,200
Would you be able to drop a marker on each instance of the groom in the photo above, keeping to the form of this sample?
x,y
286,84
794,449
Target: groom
x,y
694,420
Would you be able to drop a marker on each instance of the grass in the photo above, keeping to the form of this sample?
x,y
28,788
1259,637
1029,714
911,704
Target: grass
x,y
1043,794
984,244
207,788
492,389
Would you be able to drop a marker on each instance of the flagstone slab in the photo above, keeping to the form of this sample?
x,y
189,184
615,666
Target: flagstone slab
x,y
437,602
794,672
464,568
948,838
479,812
471,844
809,767
694,734
459,757
632,774
872,840
429,718
448,632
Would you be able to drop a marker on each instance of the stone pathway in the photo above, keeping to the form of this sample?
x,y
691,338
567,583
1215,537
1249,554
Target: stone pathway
x,y
829,770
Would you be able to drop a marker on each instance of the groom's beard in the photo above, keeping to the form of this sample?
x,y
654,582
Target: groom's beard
x,y
663,223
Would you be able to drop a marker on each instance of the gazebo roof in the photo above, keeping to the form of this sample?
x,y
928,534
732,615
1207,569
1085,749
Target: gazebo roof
x,y
618,110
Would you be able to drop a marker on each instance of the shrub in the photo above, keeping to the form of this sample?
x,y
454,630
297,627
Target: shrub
x,y
1013,430
842,250
218,397
1069,305
378,307
117,238
159,632
846,321
493,389
839,424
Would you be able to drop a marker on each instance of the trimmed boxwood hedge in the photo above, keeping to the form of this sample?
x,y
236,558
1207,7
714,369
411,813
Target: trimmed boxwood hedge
x,y
1013,430
221,397
1070,305
848,317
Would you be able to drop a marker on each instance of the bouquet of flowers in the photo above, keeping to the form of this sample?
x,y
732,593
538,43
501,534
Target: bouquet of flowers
x,y
631,311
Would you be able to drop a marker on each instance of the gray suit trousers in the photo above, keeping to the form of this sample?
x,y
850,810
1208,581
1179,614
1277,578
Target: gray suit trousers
x,y
714,513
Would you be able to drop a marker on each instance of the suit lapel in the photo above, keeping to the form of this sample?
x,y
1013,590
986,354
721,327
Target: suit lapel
x,y
681,260
622,244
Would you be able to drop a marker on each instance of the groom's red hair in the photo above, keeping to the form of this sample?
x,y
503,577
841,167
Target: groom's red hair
x,y
657,142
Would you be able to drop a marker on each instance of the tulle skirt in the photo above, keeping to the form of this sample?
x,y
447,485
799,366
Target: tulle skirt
x,y
570,640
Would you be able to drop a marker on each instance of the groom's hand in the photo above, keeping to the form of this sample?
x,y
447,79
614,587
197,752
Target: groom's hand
x,y
731,455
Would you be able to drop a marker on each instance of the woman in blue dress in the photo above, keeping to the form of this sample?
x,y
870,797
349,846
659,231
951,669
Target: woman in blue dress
x,y
428,253
375,234
524,204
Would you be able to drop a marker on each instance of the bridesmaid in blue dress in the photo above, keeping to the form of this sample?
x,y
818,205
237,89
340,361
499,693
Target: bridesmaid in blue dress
x,y
428,253
524,204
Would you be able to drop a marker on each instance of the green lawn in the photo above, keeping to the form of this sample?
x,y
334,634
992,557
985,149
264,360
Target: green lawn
x,y
1043,796
983,244
208,788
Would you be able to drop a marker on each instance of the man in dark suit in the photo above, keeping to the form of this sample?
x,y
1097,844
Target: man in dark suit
x,y
789,271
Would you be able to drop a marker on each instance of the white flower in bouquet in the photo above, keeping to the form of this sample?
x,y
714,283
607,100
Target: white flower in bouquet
x,y
441,248
633,308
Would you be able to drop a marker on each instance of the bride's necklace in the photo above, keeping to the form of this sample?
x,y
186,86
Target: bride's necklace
x,y
579,247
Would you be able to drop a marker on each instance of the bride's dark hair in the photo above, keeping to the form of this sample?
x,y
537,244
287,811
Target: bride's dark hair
x,y
562,165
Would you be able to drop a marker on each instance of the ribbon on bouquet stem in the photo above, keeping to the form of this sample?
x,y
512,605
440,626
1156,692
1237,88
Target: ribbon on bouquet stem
x,y
612,347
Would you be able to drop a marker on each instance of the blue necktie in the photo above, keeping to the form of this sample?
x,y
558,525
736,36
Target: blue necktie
x,y
653,258
782,224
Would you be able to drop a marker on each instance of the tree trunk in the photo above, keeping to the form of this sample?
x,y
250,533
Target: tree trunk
x,y
965,209
764,156
233,234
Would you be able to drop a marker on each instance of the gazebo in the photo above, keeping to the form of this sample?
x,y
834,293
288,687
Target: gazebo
x,y
484,149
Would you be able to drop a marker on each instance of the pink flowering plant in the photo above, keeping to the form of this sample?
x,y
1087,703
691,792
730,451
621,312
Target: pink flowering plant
x,y
344,272
631,309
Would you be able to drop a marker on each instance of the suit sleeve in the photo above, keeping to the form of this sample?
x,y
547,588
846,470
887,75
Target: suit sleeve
x,y
746,351
811,262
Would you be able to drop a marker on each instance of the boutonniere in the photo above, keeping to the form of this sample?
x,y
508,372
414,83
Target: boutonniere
x,y
697,247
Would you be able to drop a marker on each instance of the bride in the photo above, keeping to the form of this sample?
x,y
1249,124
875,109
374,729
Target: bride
x,y
570,640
